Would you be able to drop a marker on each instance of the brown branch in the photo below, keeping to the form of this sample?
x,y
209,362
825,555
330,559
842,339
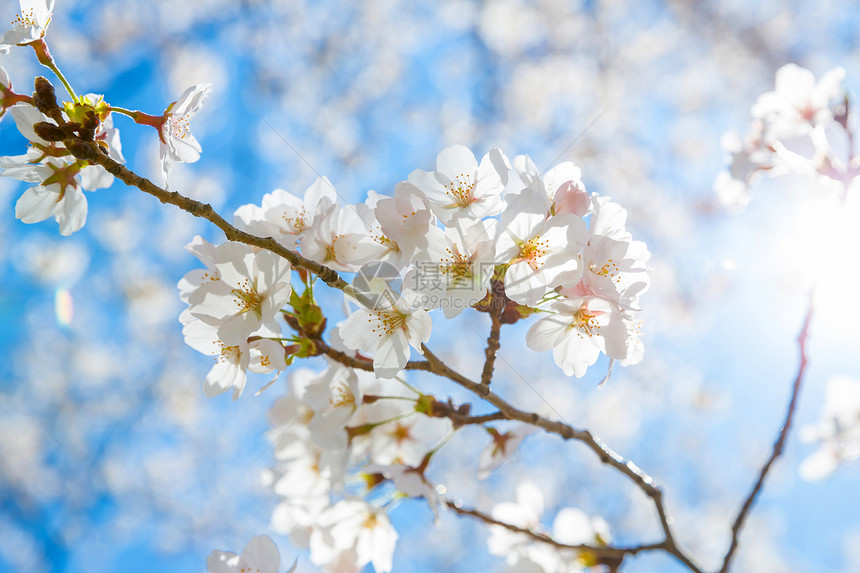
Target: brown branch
x,y
778,446
90,151
496,308
606,552
567,432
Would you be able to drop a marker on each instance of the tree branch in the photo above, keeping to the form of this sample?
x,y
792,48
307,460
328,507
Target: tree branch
x,y
90,151
778,446
601,552
606,455
496,308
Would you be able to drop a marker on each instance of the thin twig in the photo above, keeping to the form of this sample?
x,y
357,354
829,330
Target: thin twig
x,y
89,151
496,308
778,446
597,550
606,455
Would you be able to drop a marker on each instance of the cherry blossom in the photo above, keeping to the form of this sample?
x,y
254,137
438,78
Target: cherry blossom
x,y
411,482
284,216
260,556
405,219
578,331
502,446
614,270
59,193
358,529
387,329
342,240
30,25
262,355
462,187
798,104
251,288
542,252
454,269
178,144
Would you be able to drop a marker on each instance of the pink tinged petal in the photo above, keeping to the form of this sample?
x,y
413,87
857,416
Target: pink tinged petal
x,y
261,555
571,198
36,204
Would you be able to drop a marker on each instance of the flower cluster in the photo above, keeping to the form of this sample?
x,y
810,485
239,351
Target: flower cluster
x,y
338,436
494,234
570,527
802,126
60,177
448,238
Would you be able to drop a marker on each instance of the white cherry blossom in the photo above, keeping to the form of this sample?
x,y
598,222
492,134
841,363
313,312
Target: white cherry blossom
x,y
454,269
284,216
251,288
341,240
460,186
405,219
578,331
30,24
542,252
178,144
355,528
387,329
262,355
614,270
411,482
502,446
798,104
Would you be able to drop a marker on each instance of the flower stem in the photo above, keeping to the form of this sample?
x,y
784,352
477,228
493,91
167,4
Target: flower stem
x,y
45,58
